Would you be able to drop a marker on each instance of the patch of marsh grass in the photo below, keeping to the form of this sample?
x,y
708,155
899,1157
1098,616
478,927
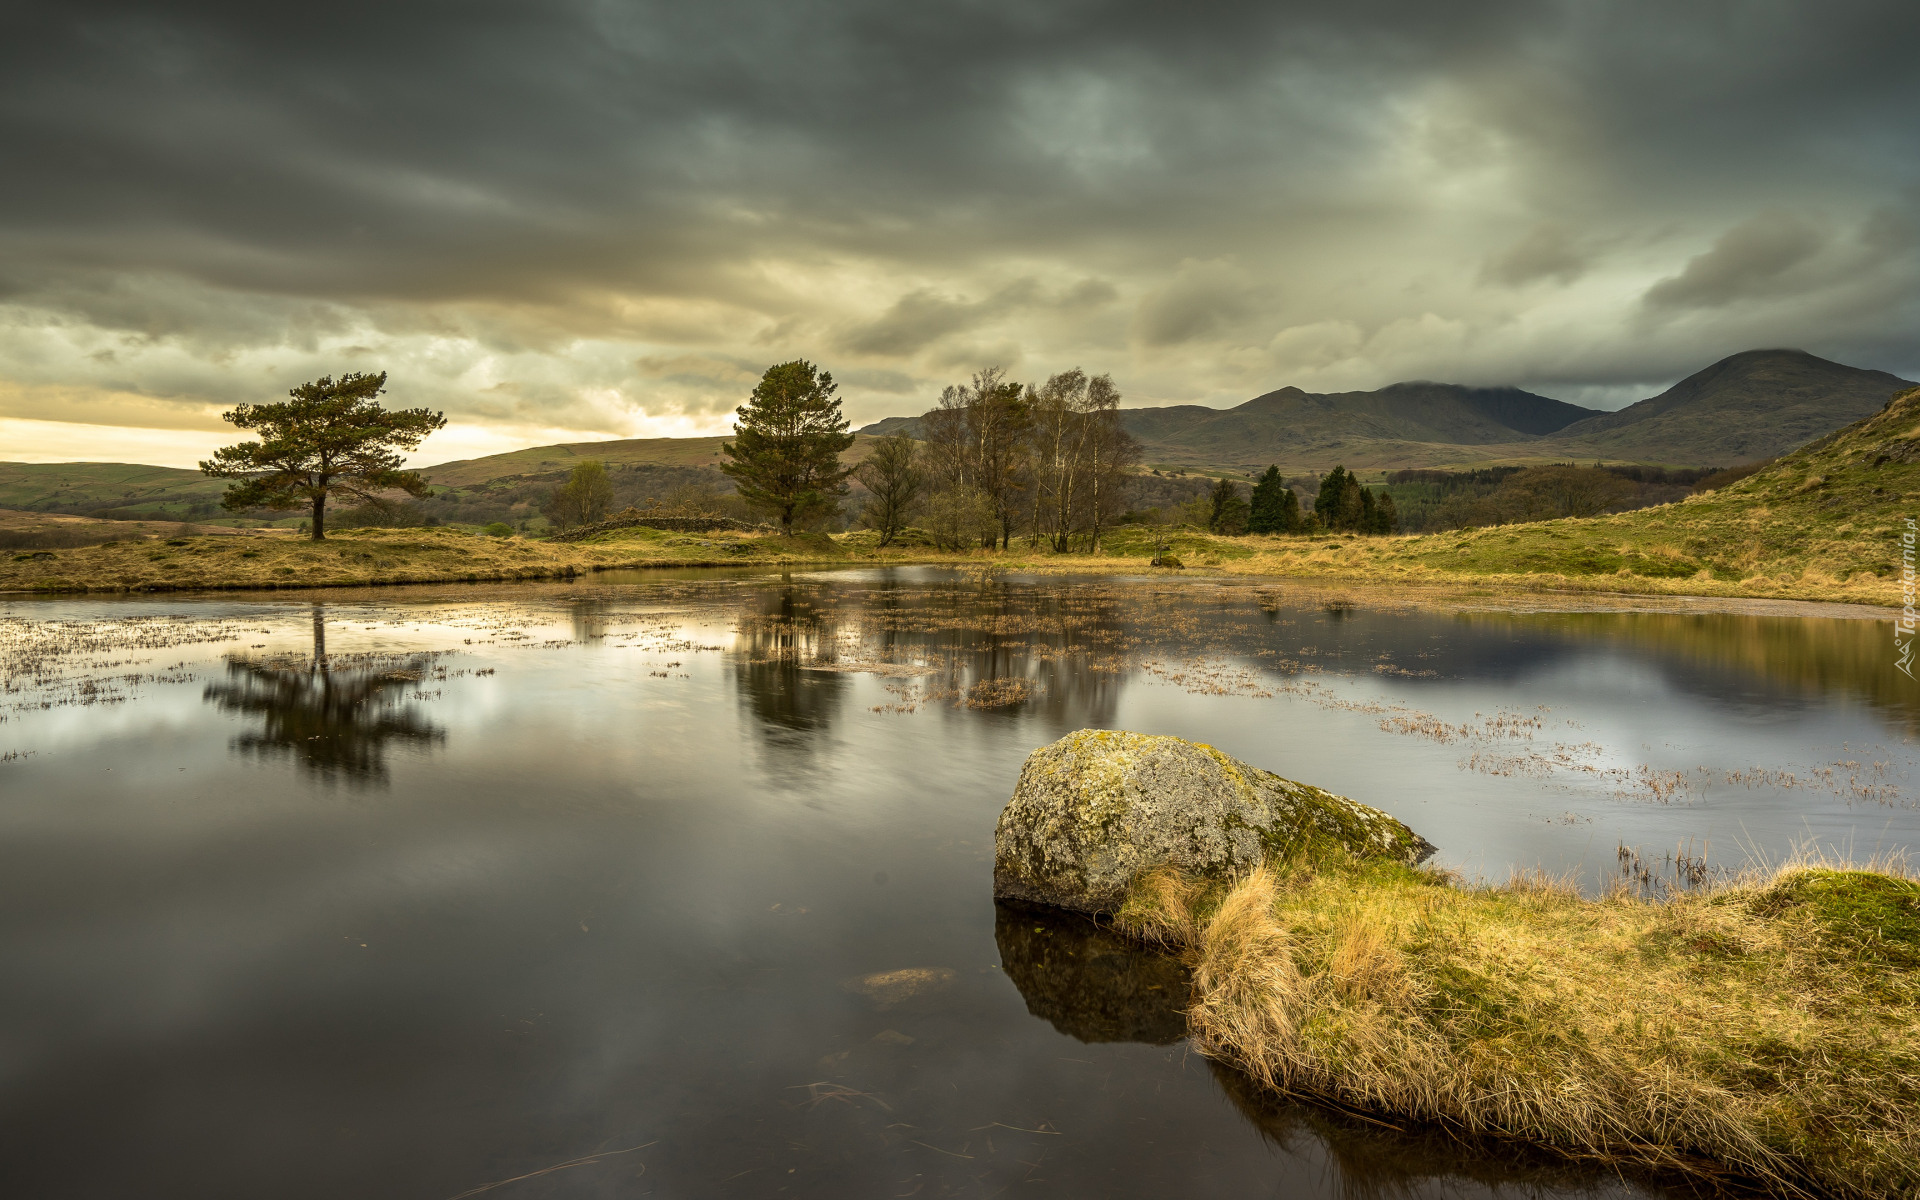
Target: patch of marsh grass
x,y
1764,1026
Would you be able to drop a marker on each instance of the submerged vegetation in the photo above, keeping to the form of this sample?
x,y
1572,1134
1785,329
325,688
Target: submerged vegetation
x,y
1764,1029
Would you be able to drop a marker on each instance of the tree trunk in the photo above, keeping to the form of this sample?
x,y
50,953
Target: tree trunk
x,y
320,517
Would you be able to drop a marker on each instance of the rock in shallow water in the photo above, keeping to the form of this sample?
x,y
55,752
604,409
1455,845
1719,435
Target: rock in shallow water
x,y
1098,807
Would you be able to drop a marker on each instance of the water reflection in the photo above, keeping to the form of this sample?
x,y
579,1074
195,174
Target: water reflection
x,y
1095,986
336,719
1088,982
595,932
1379,1160
779,653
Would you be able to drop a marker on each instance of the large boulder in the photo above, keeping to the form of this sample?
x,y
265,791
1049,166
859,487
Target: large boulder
x,y
1098,807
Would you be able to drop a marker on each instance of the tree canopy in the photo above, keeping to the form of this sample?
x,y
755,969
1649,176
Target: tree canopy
x,y
892,476
331,438
1275,508
1227,511
788,436
1344,504
583,499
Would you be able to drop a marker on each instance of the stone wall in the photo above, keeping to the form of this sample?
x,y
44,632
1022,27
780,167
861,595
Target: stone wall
x,y
632,518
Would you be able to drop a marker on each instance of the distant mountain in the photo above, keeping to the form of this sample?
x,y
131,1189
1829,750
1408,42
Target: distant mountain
x,y
1751,406
1754,405
1292,425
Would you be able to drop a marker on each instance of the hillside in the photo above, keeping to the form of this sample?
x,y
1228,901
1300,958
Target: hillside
x,y
1821,523
551,460
1749,406
95,489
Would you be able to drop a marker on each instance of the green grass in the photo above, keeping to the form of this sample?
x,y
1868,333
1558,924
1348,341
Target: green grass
x,y
159,493
1766,1029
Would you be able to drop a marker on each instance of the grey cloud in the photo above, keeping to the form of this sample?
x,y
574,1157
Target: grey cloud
x,y
924,316
1745,262
558,188
1547,251
1201,300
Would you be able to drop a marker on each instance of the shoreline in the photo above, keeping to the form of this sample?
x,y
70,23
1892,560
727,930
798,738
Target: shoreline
x,y
411,558
1757,1030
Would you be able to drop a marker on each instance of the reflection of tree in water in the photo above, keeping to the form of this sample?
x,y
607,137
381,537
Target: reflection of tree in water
x,y
337,721
1096,986
772,653
1054,652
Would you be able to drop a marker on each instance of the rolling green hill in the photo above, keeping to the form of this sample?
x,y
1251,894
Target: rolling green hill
x,y
110,489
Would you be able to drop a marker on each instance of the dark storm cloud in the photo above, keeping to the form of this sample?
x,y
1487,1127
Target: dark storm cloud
x,y
1748,260
1211,201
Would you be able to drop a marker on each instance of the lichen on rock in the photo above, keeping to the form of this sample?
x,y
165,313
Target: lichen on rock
x,y
1098,807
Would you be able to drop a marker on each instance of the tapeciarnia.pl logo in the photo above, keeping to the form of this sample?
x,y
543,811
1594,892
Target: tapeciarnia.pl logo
x,y
1904,627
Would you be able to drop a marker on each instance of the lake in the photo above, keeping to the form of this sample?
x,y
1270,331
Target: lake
x,y
680,884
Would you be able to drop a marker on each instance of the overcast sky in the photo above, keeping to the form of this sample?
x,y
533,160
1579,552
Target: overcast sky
x,y
569,219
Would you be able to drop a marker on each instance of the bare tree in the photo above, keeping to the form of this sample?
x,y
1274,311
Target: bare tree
x,y
1057,437
1111,453
892,474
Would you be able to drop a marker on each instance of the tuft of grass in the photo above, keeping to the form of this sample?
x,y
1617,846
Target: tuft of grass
x,y
1765,1028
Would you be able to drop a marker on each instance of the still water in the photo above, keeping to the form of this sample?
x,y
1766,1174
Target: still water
x,y
680,885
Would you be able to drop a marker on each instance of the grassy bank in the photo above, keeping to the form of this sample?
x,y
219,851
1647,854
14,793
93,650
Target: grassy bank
x,y
1766,1029
382,556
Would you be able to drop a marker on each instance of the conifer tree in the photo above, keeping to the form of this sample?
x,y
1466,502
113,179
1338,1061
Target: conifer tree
x,y
1228,512
1326,502
787,443
330,438
1275,508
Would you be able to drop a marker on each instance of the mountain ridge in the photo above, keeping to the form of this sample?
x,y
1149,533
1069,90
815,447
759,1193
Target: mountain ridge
x,y
1748,406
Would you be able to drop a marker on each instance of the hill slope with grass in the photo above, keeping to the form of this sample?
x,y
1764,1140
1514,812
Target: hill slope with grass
x,y
1751,406
90,489
1822,523
555,461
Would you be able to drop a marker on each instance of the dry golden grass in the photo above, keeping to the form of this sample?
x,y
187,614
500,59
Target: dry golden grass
x,y
380,556
1764,1029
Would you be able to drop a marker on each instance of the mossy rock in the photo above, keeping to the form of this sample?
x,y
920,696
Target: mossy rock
x,y
1098,807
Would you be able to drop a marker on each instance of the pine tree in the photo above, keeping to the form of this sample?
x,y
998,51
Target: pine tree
x,y
1326,502
1228,512
787,443
329,439
1275,508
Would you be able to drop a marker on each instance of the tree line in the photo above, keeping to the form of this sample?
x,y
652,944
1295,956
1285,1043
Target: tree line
x,y
1340,504
1434,499
997,459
